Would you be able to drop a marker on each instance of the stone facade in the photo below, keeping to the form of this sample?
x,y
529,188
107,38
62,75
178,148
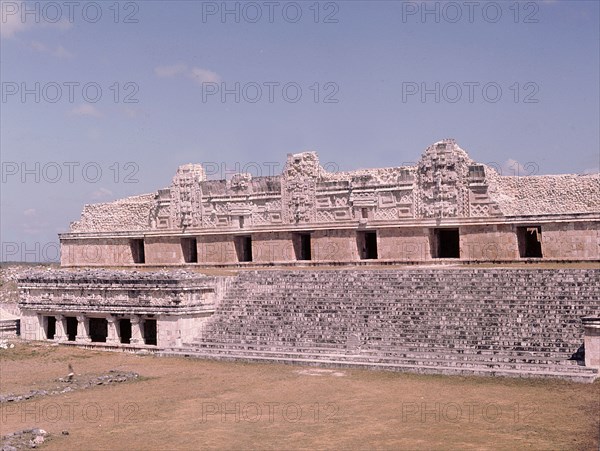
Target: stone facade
x,y
486,321
408,213
447,208
117,307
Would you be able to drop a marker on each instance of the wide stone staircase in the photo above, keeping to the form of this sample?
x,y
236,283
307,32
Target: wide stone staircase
x,y
503,322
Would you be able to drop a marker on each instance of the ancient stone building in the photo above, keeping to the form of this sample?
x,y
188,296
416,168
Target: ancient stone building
x,y
117,307
445,207
430,319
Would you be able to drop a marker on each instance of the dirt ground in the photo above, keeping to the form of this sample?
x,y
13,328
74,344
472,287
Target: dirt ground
x,y
191,404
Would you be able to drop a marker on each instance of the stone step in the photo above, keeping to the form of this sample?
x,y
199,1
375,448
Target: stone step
x,y
576,373
459,320
390,354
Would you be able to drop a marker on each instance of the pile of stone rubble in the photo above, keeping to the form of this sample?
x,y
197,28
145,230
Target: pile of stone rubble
x,y
27,438
77,383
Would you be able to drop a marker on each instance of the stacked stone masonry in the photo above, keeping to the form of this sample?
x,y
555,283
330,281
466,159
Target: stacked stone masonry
x,y
512,322
116,307
454,321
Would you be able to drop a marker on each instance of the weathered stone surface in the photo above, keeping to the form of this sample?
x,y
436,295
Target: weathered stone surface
x,y
510,321
24,439
545,194
117,292
131,213
446,183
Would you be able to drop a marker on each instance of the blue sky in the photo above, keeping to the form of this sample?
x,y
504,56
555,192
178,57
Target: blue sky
x,y
106,99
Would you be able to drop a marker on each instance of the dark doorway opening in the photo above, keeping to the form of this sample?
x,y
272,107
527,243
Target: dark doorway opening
x,y
98,329
50,327
367,245
72,328
137,251
125,330
190,250
446,243
243,248
530,241
302,247
150,332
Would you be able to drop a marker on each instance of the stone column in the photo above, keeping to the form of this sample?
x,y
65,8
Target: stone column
x,y
83,330
61,327
591,329
113,334
137,333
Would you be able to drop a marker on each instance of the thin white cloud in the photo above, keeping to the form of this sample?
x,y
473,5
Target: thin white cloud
x,y
11,23
86,109
59,51
170,71
29,212
101,193
131,112
513,167
38,46
198,74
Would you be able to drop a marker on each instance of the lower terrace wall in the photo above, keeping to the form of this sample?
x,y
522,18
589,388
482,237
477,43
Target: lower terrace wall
x,y
96,252
217,249
272,247
485,242
578,240
334,245
489,242
409,244
163,250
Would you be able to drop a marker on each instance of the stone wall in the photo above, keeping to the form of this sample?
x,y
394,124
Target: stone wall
x,y
484,242
410,244
545,194
403,205
272,247
163,250
489,242
96,252
579,240
445,183
216,249
131,213
487,321
335,245
180,303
